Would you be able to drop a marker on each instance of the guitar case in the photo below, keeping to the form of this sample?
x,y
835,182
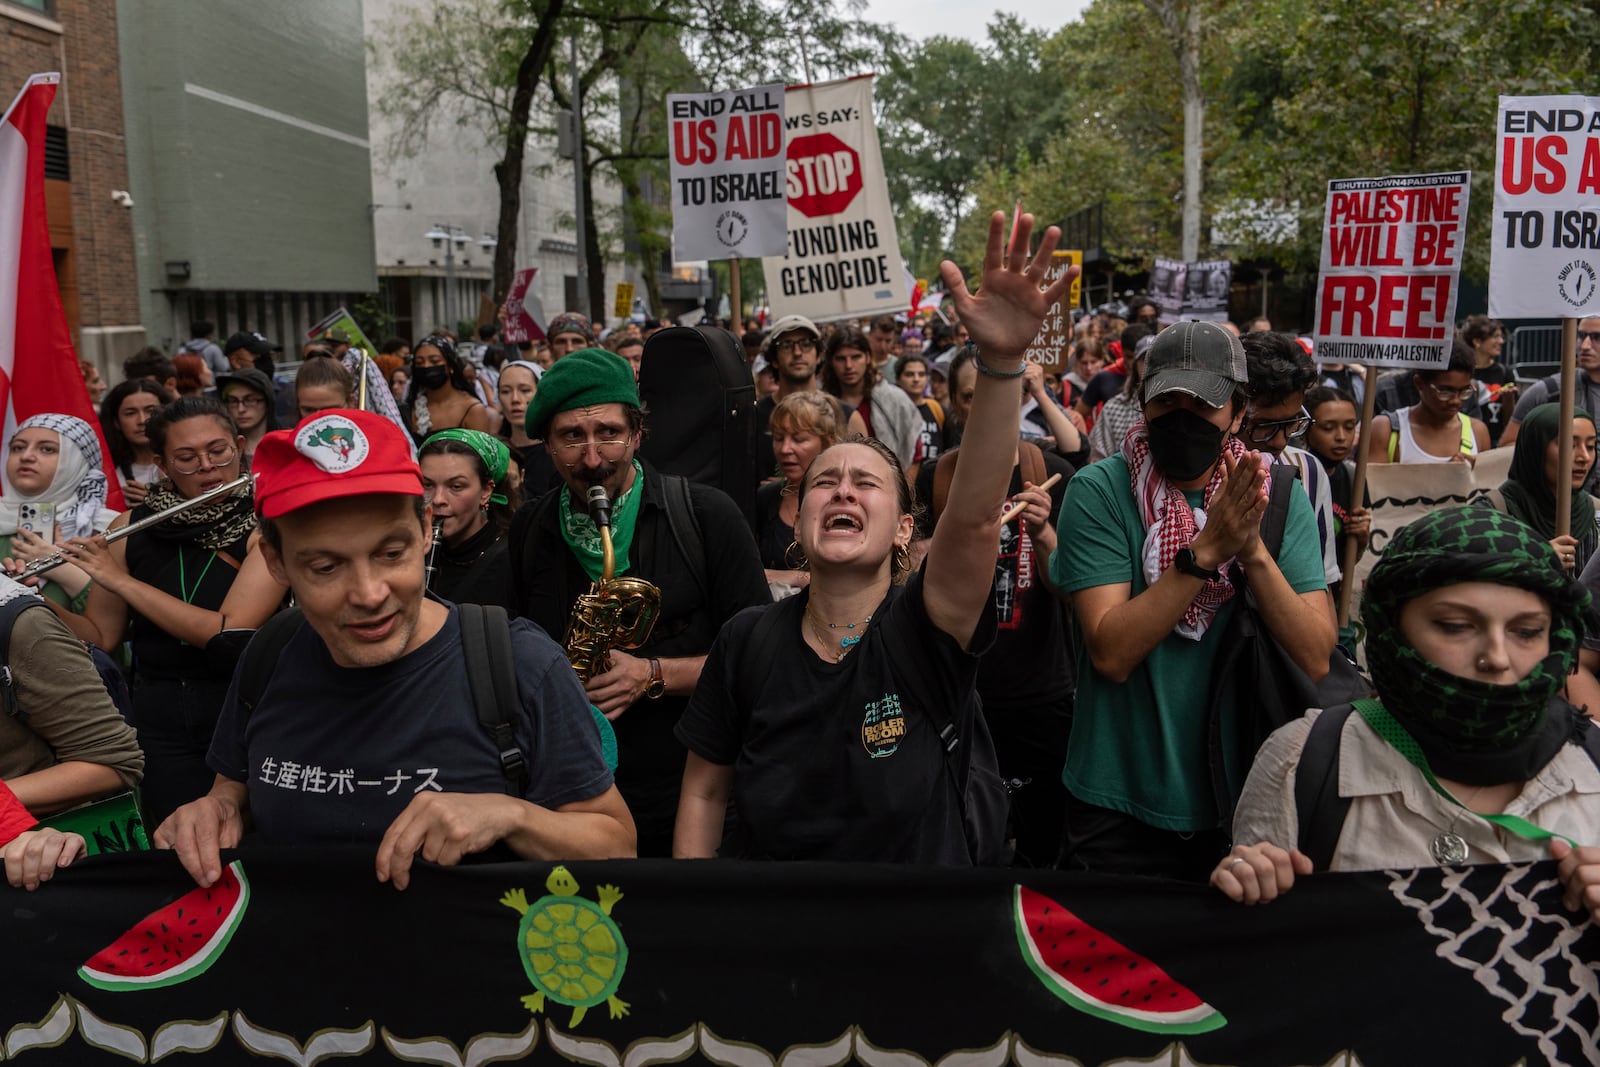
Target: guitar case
x,y
700,400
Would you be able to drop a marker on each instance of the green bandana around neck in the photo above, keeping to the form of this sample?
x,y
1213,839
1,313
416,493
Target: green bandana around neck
x,y
583,536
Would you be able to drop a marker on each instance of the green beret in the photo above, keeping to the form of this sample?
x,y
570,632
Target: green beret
x,y
581,379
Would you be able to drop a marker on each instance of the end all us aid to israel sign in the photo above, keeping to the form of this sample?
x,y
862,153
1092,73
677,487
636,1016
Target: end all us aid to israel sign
x,y
1544,256
728,195
843,256
1391,260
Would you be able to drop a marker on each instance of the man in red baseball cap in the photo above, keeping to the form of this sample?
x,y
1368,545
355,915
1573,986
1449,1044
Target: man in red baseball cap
x,y
367,730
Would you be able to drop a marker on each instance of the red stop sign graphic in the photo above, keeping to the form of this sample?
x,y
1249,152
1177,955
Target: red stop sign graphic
x,y
824,175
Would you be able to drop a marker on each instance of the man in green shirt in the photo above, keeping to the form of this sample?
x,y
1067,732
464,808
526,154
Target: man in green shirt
x,y
1147,537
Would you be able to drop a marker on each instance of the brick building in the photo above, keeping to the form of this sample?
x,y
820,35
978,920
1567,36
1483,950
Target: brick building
x,y
91,229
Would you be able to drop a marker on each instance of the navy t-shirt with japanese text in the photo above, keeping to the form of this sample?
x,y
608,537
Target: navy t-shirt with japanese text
x,y
332,755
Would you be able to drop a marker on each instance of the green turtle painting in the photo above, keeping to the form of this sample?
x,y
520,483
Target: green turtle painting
x,y
571,948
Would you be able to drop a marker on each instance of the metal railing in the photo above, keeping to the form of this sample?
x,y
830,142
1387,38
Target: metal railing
x,y
1534,352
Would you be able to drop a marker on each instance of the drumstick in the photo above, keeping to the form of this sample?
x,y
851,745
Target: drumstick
x,y
1017,509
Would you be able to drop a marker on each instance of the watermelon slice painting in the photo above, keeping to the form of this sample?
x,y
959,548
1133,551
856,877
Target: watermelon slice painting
x,y
1101,977
175,943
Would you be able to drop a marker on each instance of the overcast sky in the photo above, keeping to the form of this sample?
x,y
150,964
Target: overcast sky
x,y
959,18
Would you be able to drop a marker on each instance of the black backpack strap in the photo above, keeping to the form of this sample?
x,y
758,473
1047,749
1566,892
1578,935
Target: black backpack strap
x,y
261,656
685,526
1318,806
492,674
8,618
1284,479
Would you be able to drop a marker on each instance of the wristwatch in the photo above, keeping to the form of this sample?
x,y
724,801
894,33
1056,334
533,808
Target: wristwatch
x,y
658,684
1186,563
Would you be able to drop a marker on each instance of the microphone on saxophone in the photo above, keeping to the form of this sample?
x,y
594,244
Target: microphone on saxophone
x,y
599,505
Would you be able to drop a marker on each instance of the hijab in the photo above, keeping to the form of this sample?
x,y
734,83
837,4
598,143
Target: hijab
x,y
78,490
1527,492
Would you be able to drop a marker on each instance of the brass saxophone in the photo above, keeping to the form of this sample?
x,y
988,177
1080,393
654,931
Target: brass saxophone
x,y
615,612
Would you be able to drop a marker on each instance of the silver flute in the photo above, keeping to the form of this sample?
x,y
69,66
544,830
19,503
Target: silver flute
x,y
50,563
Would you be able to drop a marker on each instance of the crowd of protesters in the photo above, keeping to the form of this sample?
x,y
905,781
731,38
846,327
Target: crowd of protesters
x,y
872,666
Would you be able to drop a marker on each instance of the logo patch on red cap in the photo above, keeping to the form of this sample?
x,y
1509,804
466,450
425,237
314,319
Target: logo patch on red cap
x,y
334,443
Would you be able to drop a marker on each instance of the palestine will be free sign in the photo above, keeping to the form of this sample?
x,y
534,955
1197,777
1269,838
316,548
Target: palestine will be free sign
x,y
1545,248
728,195
1391,258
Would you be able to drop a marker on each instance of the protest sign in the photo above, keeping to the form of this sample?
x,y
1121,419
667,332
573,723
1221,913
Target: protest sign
x,y
309,959
341,320
1191,292
522,317
727,173
1545,248
1391,256
1049,348
843,255
623,306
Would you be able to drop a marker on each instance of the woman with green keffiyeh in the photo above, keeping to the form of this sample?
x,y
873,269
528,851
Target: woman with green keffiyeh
x,y
1468,754
464,476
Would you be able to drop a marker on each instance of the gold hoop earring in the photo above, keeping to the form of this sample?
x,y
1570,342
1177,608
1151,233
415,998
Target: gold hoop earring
x,y
795,558
902,560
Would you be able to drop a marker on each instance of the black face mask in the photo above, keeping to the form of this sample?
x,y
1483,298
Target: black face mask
x,y
1183,445
432,377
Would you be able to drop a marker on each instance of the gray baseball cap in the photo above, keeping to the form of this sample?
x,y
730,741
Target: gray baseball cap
x,y
1198,358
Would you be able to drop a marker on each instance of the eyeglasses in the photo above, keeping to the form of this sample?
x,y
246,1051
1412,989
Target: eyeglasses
x,y
194,463
785,348
1262,433
246,403
1592,336
1447,395
608,447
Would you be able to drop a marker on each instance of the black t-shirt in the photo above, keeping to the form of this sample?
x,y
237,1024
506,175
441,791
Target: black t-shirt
x,y
773,535
1030,665
1495,413
932,434
332,754
182,569
841,761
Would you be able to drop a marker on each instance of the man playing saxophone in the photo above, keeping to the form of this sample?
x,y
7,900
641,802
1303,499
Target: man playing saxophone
x,y
686,539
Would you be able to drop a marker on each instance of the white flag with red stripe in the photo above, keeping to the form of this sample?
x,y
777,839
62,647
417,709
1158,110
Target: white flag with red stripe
x,y
38,367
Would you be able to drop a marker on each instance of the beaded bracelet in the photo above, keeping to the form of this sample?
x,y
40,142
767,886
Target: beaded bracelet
x,y
1003,375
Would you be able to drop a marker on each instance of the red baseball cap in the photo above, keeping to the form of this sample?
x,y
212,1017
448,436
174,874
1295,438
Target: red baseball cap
x,y
332,454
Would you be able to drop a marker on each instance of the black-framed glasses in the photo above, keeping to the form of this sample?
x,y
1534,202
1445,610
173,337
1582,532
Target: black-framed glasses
x,y
804,345
1264,433
1592,336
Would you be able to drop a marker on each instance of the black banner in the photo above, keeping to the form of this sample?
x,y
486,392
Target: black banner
x,y
627,964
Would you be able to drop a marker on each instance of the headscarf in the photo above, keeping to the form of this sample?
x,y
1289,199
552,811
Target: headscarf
x,y
569,322
1528,494
491,450
78,489
1471,731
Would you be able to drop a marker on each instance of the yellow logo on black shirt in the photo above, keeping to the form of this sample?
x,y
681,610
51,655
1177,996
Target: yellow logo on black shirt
x,y
883,726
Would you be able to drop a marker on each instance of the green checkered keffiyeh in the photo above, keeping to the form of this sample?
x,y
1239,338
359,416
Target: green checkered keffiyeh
x,y
1445,712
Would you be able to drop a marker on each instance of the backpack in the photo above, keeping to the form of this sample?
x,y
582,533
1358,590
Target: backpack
x,y
491,673
1319,808
982,795
702,403
110,674
1269,689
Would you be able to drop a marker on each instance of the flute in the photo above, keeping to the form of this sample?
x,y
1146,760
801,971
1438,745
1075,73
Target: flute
x,y
50,563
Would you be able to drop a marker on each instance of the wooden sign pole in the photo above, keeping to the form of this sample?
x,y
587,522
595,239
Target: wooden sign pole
x,y
1358,494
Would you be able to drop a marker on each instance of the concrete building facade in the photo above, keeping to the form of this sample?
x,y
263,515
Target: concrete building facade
x,y
91,231
249,163
451,182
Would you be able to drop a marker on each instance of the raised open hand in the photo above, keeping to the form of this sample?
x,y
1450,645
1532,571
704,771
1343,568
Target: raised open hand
x,y
1005,314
